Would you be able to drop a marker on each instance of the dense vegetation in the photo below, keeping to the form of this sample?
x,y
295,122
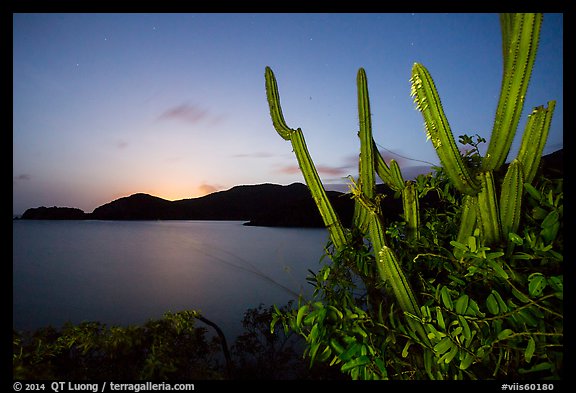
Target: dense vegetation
x,y
472,290
488,314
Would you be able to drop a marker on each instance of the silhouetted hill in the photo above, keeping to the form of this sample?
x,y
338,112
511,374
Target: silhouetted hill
x,y
259,205
53,213
134,207
262,204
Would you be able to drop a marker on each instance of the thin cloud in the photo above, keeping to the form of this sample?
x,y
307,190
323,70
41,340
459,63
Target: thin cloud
x,y
121,144
21,177
190,114
322,170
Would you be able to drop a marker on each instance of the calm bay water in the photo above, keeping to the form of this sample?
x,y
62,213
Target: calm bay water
x,y
127,272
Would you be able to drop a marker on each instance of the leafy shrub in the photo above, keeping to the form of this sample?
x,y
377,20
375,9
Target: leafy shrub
x,y
488,313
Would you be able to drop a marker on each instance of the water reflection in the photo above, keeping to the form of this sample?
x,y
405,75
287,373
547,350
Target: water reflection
x,y
121,272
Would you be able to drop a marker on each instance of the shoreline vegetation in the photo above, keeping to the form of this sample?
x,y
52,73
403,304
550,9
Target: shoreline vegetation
x,y
174,347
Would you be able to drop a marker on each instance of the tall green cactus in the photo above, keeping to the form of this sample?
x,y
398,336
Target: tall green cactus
x,y
482,209
520,33
367,216
331,220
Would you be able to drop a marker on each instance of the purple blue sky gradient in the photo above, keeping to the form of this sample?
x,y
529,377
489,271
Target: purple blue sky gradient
x,y
174,105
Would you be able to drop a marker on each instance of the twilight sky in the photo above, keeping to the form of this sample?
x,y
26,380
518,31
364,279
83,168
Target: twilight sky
x,y
174,105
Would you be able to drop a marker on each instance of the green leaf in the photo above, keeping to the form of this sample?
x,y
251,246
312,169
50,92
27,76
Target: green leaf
x,y
534,193
550,220
465,327
301,311
472,243
467,361
492,304
498,269
359,361
536,368
447,357
501,303
405,349
336,346
536,284
505,334
556,283
459,245
530,348
350,352
440,318
514,238
462,304
446,298
444,345
313,350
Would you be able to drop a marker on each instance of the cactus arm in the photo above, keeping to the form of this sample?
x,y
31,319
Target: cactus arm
x,y
388,267
366,165
411,210
367,177
331,220
520,34
393,179
488,216
511,198
467,219
428,102
296,137
274,103
534,139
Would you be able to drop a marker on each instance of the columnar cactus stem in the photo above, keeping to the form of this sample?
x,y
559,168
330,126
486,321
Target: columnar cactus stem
x,y
438,130
366,180
331,220
393,178
468,218
489,216
520,33
534,139
411,210
511,197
